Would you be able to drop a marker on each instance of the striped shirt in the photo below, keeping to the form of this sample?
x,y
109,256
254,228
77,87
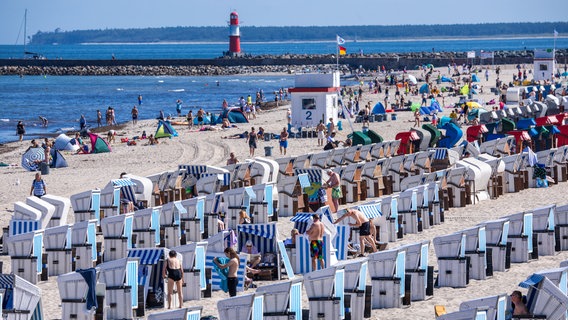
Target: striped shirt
x,y
39,187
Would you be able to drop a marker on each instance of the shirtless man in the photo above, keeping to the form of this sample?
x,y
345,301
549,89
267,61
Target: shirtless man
x,y
364,225
315,235
321,133
233,265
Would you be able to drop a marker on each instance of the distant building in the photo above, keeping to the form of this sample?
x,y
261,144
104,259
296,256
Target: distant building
x,y
544,64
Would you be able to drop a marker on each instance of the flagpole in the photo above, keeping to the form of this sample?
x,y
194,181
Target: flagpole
x,y
336,57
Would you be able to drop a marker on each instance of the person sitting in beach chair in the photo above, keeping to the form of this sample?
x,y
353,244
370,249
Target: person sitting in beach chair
x,y
254,256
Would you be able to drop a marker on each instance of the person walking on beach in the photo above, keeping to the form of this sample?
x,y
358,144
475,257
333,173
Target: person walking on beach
x,y
173,271
39,188
315,235
20,130
364,225
233,266
252,139
134,115
283,141
178,107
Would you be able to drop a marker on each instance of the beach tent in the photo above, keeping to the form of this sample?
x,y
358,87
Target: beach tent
x,y
235,115
32,157
474,78
464,90
425,88
206,120
98,144
379,109
165,130
63,142
473,105
434,105
446,79
57,160
477,112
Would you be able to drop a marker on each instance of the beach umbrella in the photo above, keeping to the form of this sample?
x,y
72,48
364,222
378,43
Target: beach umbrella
x,y
473,104
32,157
565,74
412,79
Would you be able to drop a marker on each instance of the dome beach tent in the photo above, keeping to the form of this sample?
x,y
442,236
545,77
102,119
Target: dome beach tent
x,y
235,115
379,109
63,142
165,130
98,144
57,159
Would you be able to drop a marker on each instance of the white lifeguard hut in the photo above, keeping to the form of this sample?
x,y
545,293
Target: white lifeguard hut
x,y
544,64
315,97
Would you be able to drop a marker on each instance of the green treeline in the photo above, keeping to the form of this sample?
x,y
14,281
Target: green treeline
x,y
328,33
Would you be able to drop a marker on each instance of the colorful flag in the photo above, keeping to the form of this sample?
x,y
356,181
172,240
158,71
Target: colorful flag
x,y
340,40
555,33
342,51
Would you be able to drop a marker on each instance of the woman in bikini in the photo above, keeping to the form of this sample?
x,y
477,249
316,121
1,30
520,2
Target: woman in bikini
x,y
173,271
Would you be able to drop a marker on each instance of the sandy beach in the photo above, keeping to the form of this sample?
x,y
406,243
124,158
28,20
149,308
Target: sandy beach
x,y
208,147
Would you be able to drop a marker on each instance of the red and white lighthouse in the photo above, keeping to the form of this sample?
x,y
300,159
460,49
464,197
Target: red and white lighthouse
x,y
234,35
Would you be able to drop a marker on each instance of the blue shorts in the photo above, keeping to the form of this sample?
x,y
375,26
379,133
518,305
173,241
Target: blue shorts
x,y
284,144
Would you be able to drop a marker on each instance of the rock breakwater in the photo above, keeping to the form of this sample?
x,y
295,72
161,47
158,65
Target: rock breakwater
x,y
257,64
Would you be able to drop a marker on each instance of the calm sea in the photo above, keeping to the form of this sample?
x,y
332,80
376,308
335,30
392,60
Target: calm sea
x,y
63,99
213,50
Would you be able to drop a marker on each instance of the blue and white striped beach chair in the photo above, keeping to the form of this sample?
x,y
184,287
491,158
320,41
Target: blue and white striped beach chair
x,y
26,251
416,265
117,233
283,299
387,270
497,238
57,246
20,298
476,251
190,313
146,227
193,263
452,261
62,206
521,237
86,205
121,279
325,292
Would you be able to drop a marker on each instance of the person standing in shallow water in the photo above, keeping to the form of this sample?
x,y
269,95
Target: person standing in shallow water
x,y
20,130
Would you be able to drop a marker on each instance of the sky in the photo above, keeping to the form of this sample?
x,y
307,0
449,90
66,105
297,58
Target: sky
x,y
68,15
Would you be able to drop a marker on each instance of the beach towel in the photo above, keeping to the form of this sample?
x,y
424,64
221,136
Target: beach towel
x,y
90,276
223,274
